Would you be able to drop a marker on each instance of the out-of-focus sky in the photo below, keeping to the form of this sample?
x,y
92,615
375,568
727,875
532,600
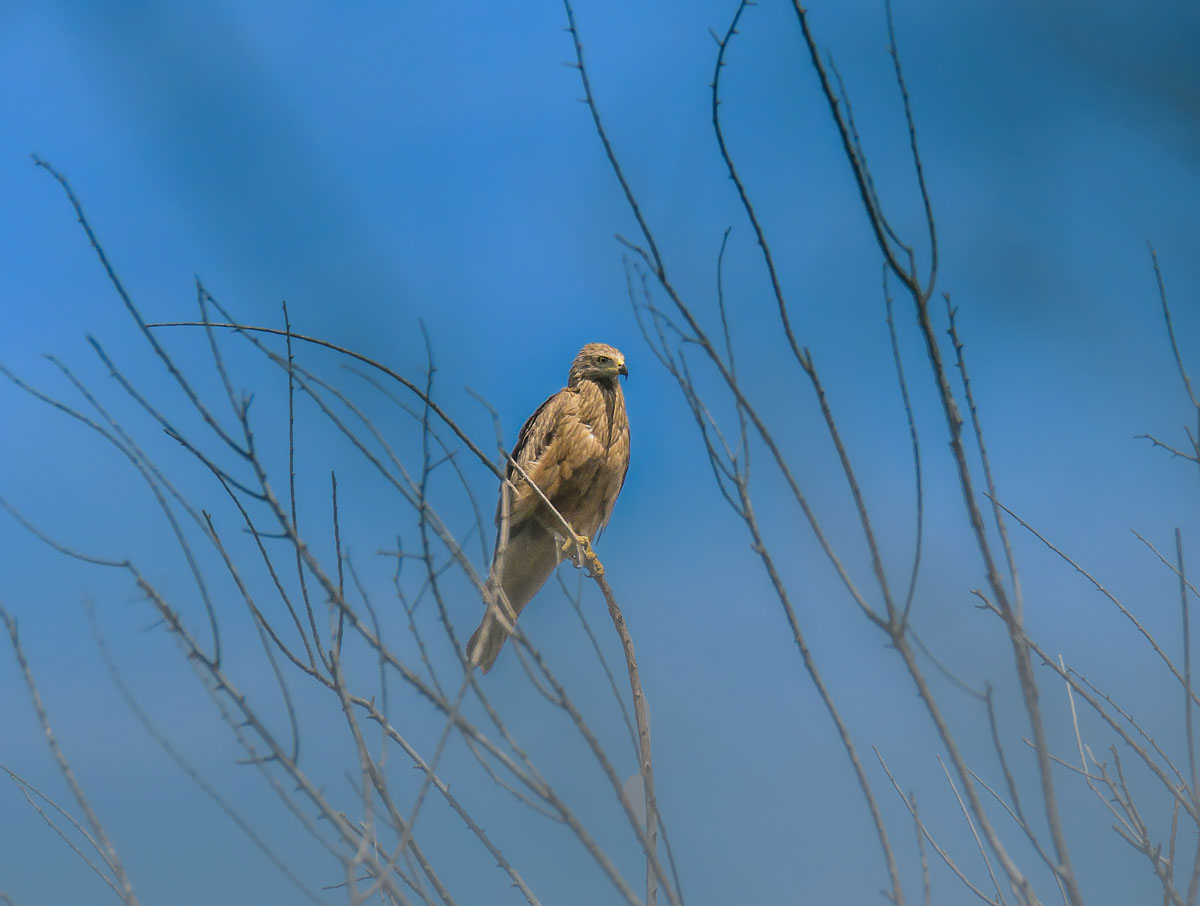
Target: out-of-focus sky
x,y
383,165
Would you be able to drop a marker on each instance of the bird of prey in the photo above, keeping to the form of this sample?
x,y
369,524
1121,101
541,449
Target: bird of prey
x,y
575,449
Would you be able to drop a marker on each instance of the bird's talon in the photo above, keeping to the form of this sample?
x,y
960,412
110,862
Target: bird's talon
x,y
579,549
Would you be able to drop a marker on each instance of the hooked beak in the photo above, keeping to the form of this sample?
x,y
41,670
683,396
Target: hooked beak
x,y
621,369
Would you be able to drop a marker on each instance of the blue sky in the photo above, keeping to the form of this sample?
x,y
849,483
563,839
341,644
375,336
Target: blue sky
x,y
387,165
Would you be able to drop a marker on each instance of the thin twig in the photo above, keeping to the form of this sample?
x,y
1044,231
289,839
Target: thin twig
x,y
104,842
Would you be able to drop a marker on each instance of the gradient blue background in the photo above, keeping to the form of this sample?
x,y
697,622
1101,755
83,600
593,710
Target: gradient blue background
x,y
380,164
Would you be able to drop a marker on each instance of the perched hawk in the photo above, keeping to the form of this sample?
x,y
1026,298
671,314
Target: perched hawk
x,y
575,448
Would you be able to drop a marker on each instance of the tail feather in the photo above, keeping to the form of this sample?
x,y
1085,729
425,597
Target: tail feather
x,y
486,641
528,561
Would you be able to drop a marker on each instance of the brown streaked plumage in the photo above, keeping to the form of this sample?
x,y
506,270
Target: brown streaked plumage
x,y
575,448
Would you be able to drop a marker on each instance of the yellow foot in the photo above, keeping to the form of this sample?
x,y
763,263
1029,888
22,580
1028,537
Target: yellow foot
x,y
579,549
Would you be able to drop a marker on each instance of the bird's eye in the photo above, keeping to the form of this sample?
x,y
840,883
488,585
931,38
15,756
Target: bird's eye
x,y
603,359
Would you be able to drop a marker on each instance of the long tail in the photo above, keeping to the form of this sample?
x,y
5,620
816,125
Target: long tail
x,y
528,561
485,643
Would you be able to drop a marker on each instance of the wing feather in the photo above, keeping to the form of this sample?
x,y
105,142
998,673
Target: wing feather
x,y
537,433
540,452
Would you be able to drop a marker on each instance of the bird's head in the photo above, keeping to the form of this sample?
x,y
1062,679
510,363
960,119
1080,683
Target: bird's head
x,y
597,362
